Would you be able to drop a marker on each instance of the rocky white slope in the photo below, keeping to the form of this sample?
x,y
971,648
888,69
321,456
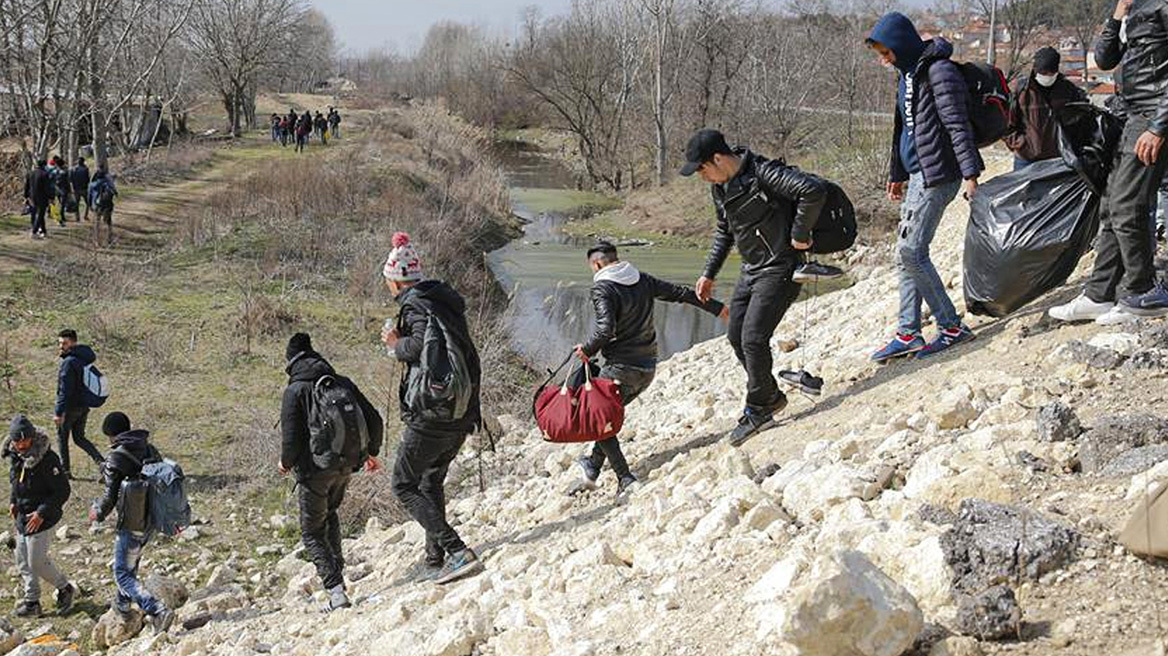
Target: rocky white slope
x,y
911,504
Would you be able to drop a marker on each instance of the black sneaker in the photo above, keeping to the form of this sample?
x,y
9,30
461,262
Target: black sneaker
x,y
28,609
160,622
802,381
749,425
459,566
65,598
627,485
810,271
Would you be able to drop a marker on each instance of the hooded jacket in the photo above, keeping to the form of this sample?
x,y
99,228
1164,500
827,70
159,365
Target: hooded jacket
x,y
623,298
128,452
303,371
79,179
761,208
38,187
1035,115
931,122
1142,81
417,303
39,483
70,383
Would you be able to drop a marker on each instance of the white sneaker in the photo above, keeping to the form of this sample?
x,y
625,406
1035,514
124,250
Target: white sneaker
x,y
1116,316
1080,309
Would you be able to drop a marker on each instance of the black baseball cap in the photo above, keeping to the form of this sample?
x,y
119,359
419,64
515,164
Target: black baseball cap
x,y
702,147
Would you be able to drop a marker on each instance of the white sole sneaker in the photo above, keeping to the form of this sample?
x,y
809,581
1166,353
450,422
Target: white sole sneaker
x,y
1116,317
1080,309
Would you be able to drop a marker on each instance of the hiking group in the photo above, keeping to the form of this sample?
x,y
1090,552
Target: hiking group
x,y
776,216
53,188
298,129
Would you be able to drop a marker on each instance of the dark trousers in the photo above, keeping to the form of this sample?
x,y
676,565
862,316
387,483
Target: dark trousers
x,y
38,218
321,496
632,381
759,302
419,478
1125,247
74,424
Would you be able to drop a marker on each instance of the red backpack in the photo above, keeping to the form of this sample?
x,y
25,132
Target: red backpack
x,y
587,412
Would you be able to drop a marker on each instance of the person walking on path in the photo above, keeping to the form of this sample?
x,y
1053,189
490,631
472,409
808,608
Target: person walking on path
x,y
130,449
322,488
429,444
320,123
40,489
303,130
334,121
768,210
71,411
79,179
38,193
1036,110
1135,39
102,192
623,332
933,157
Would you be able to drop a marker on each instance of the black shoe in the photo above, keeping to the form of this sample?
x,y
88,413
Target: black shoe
x,y
65,598
810,271
459,566
803,381
28,609
338,599
627,485
749,425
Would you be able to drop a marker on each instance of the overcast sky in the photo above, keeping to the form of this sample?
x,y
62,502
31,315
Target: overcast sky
x,y
400,25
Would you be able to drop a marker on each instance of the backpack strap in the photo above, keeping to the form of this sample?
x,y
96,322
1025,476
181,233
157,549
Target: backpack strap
x,y
126,452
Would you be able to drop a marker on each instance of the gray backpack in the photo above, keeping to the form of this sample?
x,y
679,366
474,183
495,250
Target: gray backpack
x,y
338,436
439,387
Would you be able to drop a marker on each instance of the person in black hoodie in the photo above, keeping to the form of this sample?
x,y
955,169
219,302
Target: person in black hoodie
x,y
767,209
428,446
38,193
129,450
322,491
79,177
71,412
623,300
39,492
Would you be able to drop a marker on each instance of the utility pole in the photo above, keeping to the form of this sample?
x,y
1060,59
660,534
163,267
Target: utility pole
x,y
992,51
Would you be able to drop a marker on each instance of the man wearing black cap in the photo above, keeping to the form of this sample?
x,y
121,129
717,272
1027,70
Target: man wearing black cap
x,y
1036,110
623,332
315,395
768,210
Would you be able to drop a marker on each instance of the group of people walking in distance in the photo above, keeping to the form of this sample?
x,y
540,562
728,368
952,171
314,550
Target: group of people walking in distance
x,y
769,211
52,187
299,129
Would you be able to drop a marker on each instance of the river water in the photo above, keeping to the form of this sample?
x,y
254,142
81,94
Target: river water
x,y
549,279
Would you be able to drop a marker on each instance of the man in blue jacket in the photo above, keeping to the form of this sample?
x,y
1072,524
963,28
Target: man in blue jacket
x,y
71,411
933,156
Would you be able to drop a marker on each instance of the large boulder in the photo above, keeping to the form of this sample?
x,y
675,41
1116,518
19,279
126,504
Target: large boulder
x,y
991,544
1113,435
114,628
845,606
809,495
1057,422
992,614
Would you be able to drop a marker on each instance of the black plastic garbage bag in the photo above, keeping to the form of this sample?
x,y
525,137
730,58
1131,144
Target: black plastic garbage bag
x,y
1029,228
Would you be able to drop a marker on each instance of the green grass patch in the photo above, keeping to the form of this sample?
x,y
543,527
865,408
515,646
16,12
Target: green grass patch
x,y
564,201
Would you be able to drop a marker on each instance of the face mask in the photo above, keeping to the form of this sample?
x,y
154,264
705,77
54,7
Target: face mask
x,y
1046,80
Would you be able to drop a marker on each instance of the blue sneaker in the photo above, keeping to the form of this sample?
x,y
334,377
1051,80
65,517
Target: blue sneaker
x,y
946,338
1152,303
899,347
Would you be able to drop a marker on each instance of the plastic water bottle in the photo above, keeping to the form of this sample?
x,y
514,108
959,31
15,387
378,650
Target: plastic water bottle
x,y
385,328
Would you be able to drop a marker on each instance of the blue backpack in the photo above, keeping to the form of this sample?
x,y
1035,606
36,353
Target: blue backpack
x,y
95,386
167,504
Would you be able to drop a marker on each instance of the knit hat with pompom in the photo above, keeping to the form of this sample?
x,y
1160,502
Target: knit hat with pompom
x,y
403,263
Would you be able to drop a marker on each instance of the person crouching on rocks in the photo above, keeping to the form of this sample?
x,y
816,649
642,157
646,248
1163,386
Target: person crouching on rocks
x,y
623,333
437,421
40,489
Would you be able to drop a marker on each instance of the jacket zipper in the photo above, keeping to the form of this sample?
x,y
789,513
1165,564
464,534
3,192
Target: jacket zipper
x,y
758,233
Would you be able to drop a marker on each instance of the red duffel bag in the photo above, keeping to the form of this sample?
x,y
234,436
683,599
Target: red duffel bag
x,y
587,412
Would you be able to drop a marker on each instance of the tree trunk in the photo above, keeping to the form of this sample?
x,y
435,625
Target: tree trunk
x,y
97,116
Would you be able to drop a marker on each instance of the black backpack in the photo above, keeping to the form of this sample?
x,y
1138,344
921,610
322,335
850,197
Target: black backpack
x,y
989,101
836,228
439,388
105,197
338,436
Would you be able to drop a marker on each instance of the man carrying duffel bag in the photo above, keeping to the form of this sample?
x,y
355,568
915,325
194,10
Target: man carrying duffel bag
x,y
623,333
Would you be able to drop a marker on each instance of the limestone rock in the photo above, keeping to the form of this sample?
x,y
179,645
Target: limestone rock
x,y
954,409
1057,422
992,614
44,645
168,590
65,533
716,524
990,544
809,495
10,637
973,483
845,605
114,628
522,641
957,646
221,576
1124,344
1115,434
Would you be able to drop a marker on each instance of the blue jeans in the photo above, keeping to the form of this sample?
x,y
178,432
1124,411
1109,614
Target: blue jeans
x,y
127,554
920,214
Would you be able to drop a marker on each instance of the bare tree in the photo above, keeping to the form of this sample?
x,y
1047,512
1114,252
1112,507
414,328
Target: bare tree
x,y
1023,19
1084,18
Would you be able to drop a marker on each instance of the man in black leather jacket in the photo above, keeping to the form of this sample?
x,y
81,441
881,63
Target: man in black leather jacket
x,y
767,209
1135,39
623,333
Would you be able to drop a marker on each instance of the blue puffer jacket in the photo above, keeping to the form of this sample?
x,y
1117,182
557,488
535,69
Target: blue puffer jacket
x,y
940,131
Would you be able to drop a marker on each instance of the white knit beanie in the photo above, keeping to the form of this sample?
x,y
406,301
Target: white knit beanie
x,y
403,263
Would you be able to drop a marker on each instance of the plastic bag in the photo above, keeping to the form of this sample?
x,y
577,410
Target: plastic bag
x,y
1029,228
